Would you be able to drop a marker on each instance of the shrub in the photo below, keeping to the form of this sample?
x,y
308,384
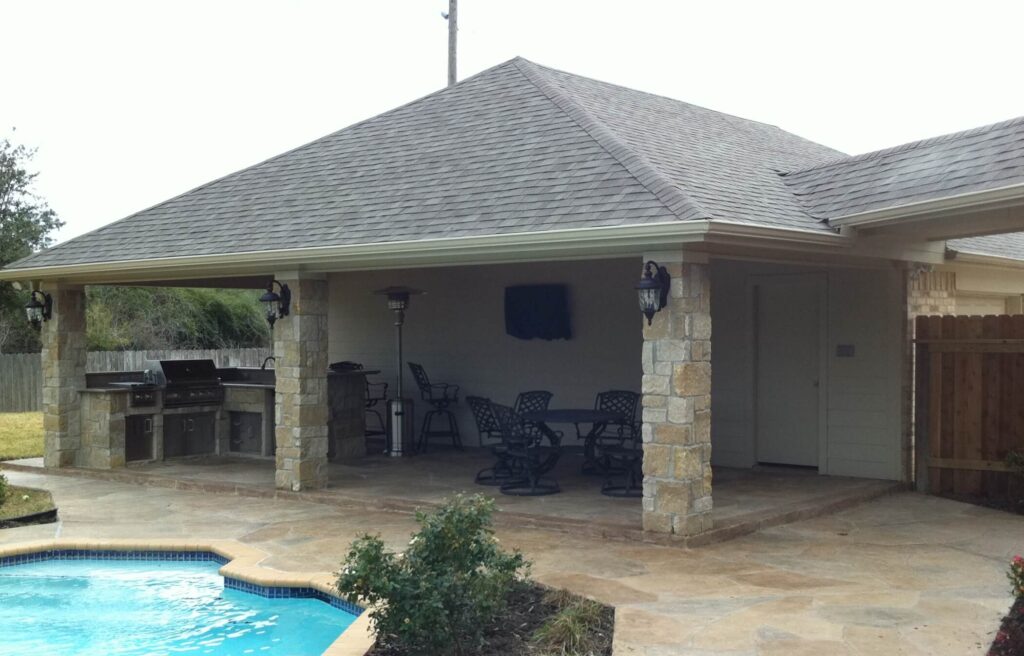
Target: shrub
x,y
4,490
1016,576
576,629
438,596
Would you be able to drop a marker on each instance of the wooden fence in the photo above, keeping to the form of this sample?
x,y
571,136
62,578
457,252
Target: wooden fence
x,y
21,377
21,382
970,404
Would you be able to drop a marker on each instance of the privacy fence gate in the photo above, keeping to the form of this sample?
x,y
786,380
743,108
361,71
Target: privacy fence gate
x,y
969,405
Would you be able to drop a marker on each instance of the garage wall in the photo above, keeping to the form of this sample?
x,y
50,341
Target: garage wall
x,y
457,331
863,391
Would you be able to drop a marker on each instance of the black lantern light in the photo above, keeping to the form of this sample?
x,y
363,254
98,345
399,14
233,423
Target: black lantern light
x,y
39,308
653,289
277,302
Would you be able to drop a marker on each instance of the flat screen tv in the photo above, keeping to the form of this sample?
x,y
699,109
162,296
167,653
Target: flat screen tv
x,y
537,312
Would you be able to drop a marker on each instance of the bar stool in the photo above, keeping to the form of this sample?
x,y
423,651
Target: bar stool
x,y
439,396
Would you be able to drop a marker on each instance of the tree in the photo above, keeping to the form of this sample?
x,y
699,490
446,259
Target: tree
x,y
26,225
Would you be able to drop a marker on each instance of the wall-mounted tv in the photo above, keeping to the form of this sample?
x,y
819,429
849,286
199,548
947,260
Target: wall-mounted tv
x,y
537,312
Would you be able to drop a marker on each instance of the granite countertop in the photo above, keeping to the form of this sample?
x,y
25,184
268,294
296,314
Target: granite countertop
x,y
268,386
353,372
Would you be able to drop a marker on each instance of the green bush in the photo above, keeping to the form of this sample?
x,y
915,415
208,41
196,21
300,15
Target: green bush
x,y
1016,576
4,489
437,597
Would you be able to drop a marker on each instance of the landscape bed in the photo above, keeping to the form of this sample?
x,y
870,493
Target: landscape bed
x,y
1009,640
521,630
26,505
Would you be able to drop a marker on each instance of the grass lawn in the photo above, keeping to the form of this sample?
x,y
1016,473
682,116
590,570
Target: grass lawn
x,y
23,501
21,435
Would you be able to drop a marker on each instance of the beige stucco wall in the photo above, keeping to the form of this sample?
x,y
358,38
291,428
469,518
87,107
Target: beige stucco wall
x,y
863,411
457,331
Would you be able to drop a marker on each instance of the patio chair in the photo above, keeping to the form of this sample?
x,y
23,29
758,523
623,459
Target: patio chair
x,y
626,460
615,433
375,393
487,425
532,401
439,396
529,459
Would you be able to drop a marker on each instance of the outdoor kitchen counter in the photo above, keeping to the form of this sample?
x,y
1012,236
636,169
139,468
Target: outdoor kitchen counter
x,y
266,386
346,405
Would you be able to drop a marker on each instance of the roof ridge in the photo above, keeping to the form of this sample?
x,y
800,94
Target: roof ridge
x,y
642,170
910,145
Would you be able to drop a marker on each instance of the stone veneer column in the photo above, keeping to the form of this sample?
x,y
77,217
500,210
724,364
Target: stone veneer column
x,y
63,356
300,346
677,404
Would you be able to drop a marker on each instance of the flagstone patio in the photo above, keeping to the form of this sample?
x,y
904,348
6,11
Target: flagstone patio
x,y
902,574
745,500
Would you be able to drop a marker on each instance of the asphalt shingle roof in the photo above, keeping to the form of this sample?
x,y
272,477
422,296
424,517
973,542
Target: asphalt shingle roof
x,y
975,160
1010,245
524,148
517,148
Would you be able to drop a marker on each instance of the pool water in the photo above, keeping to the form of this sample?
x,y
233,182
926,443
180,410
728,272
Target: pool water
x,y
102,607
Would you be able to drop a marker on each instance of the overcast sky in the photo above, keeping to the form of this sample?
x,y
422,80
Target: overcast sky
x,y
130,103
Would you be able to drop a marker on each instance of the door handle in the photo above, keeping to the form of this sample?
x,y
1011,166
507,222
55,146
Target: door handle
x,y
147,426
191,425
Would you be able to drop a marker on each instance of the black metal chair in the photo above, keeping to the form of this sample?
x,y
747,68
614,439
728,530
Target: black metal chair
x,y
440,396
532,401
529,459
490,436
626,460
616,433
375,393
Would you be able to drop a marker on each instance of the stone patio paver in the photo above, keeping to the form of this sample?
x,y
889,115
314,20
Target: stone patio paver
x,y
903,574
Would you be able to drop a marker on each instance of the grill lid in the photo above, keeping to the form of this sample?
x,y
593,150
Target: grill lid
x,y
176,373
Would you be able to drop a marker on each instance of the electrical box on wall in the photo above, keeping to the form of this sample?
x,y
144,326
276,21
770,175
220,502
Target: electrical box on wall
x,y
845,350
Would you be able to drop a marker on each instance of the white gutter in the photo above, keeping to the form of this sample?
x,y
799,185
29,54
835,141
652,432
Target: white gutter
x,y
965,257
548,244
975,200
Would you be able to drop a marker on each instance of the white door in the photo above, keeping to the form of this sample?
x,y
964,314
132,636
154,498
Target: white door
x,y
789,326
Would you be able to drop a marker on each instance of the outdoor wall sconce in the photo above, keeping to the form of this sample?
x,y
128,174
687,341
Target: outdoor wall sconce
x,y
278,303
39,308
653,289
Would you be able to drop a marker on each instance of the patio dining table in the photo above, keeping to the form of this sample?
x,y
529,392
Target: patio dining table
x,y
598,420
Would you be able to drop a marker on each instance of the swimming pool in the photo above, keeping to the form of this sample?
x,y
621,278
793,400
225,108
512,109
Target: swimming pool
x,y
93,607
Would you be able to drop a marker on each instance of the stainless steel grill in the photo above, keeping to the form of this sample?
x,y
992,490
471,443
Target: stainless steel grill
x,y
185,382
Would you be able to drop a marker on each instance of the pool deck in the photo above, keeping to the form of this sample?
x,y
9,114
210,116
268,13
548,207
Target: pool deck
x,y
745,500
900,574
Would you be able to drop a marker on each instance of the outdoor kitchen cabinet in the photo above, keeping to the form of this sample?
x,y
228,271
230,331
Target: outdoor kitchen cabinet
x,y
190,434
138,438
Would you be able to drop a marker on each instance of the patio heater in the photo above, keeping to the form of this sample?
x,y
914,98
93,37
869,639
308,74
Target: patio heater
x,y
400,410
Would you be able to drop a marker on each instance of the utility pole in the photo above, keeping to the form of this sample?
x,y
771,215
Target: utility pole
x,y
453,33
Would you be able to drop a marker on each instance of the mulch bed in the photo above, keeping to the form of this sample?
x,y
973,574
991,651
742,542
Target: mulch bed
x,y
511,634
25,506
1010,639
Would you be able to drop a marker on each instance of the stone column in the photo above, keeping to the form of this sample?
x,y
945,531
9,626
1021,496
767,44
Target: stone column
x,y
63,338
677,403
300,346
